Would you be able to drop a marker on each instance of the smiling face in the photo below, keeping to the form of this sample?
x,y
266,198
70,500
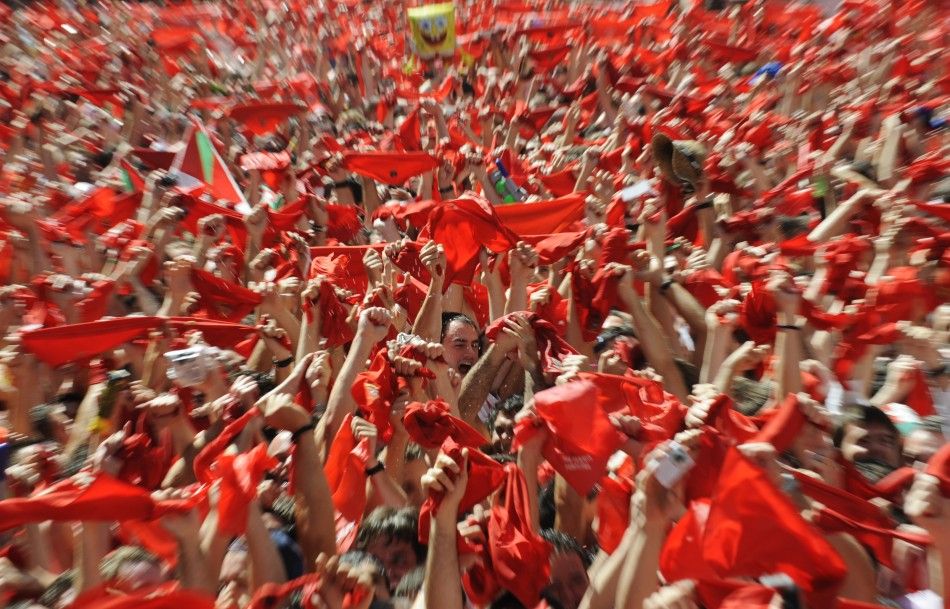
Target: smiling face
x,y
434,30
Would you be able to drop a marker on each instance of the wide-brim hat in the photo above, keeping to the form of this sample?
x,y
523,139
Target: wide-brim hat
x,y
680,161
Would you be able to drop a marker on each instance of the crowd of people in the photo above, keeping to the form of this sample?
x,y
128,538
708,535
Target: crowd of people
x,y
587,306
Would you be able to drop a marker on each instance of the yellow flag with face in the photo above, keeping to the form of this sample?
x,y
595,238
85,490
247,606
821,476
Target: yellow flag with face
x,y
433,29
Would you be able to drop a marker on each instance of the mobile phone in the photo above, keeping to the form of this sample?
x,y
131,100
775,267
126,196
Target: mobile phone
x,y
672,466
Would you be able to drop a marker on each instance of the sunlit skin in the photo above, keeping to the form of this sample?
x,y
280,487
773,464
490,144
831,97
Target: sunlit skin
x,y
461,346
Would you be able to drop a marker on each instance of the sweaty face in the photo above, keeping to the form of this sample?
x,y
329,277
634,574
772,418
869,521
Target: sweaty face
x,y
568,579
397,556
461,346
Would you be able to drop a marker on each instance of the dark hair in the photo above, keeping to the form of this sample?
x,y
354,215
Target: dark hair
x,y
506,601
606,338
864,416
563,543
546,508
265,382
391,525
449,316
356,558
411,583
40,420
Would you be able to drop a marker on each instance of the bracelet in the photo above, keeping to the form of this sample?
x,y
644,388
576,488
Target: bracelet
x,y
308,427
704,205
371,471
451,189
347,183
788,327
283,363
666,284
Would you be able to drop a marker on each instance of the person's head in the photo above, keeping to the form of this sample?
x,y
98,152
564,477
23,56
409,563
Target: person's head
x,y
392,536
461,342
364,562
131,568
569,563
411,584
868,438
923,442
413,471
503,423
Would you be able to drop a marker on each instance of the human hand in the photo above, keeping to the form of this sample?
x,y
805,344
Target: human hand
x,y
280,412
450,479
374,324
433,258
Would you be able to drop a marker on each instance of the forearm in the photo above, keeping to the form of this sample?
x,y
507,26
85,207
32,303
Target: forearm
x,y
428,323
713,355
266,564
440,586
313,503
477,384
638,577
788,348
657,351
568,509
340,403
602,591
517,296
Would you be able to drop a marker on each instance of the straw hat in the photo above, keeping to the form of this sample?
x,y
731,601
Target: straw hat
x,y
680,161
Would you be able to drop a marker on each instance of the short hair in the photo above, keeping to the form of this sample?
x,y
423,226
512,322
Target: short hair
x,y
450,316
265,381
391,525
546,508
563,543
414,452
113,561
411,583
864,416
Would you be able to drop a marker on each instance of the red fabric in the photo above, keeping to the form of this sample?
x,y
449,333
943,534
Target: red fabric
x,y
333,317
553,248
682,557
165,596
484,476
264,118
581,437
851,514
520,557
613,512
374,390
430,424
94,497
220,299
551,346
345,471
96,303
240,475
393,168
660,413
464,227
408,261
784,424
545,217
753,529
206,457
920,398
64,344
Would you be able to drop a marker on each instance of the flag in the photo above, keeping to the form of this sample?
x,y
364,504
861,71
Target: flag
x,y
199,160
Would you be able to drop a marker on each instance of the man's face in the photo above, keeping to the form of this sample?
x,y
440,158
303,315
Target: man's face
x,y
869,443
397,556
568,579
502,432
461,346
